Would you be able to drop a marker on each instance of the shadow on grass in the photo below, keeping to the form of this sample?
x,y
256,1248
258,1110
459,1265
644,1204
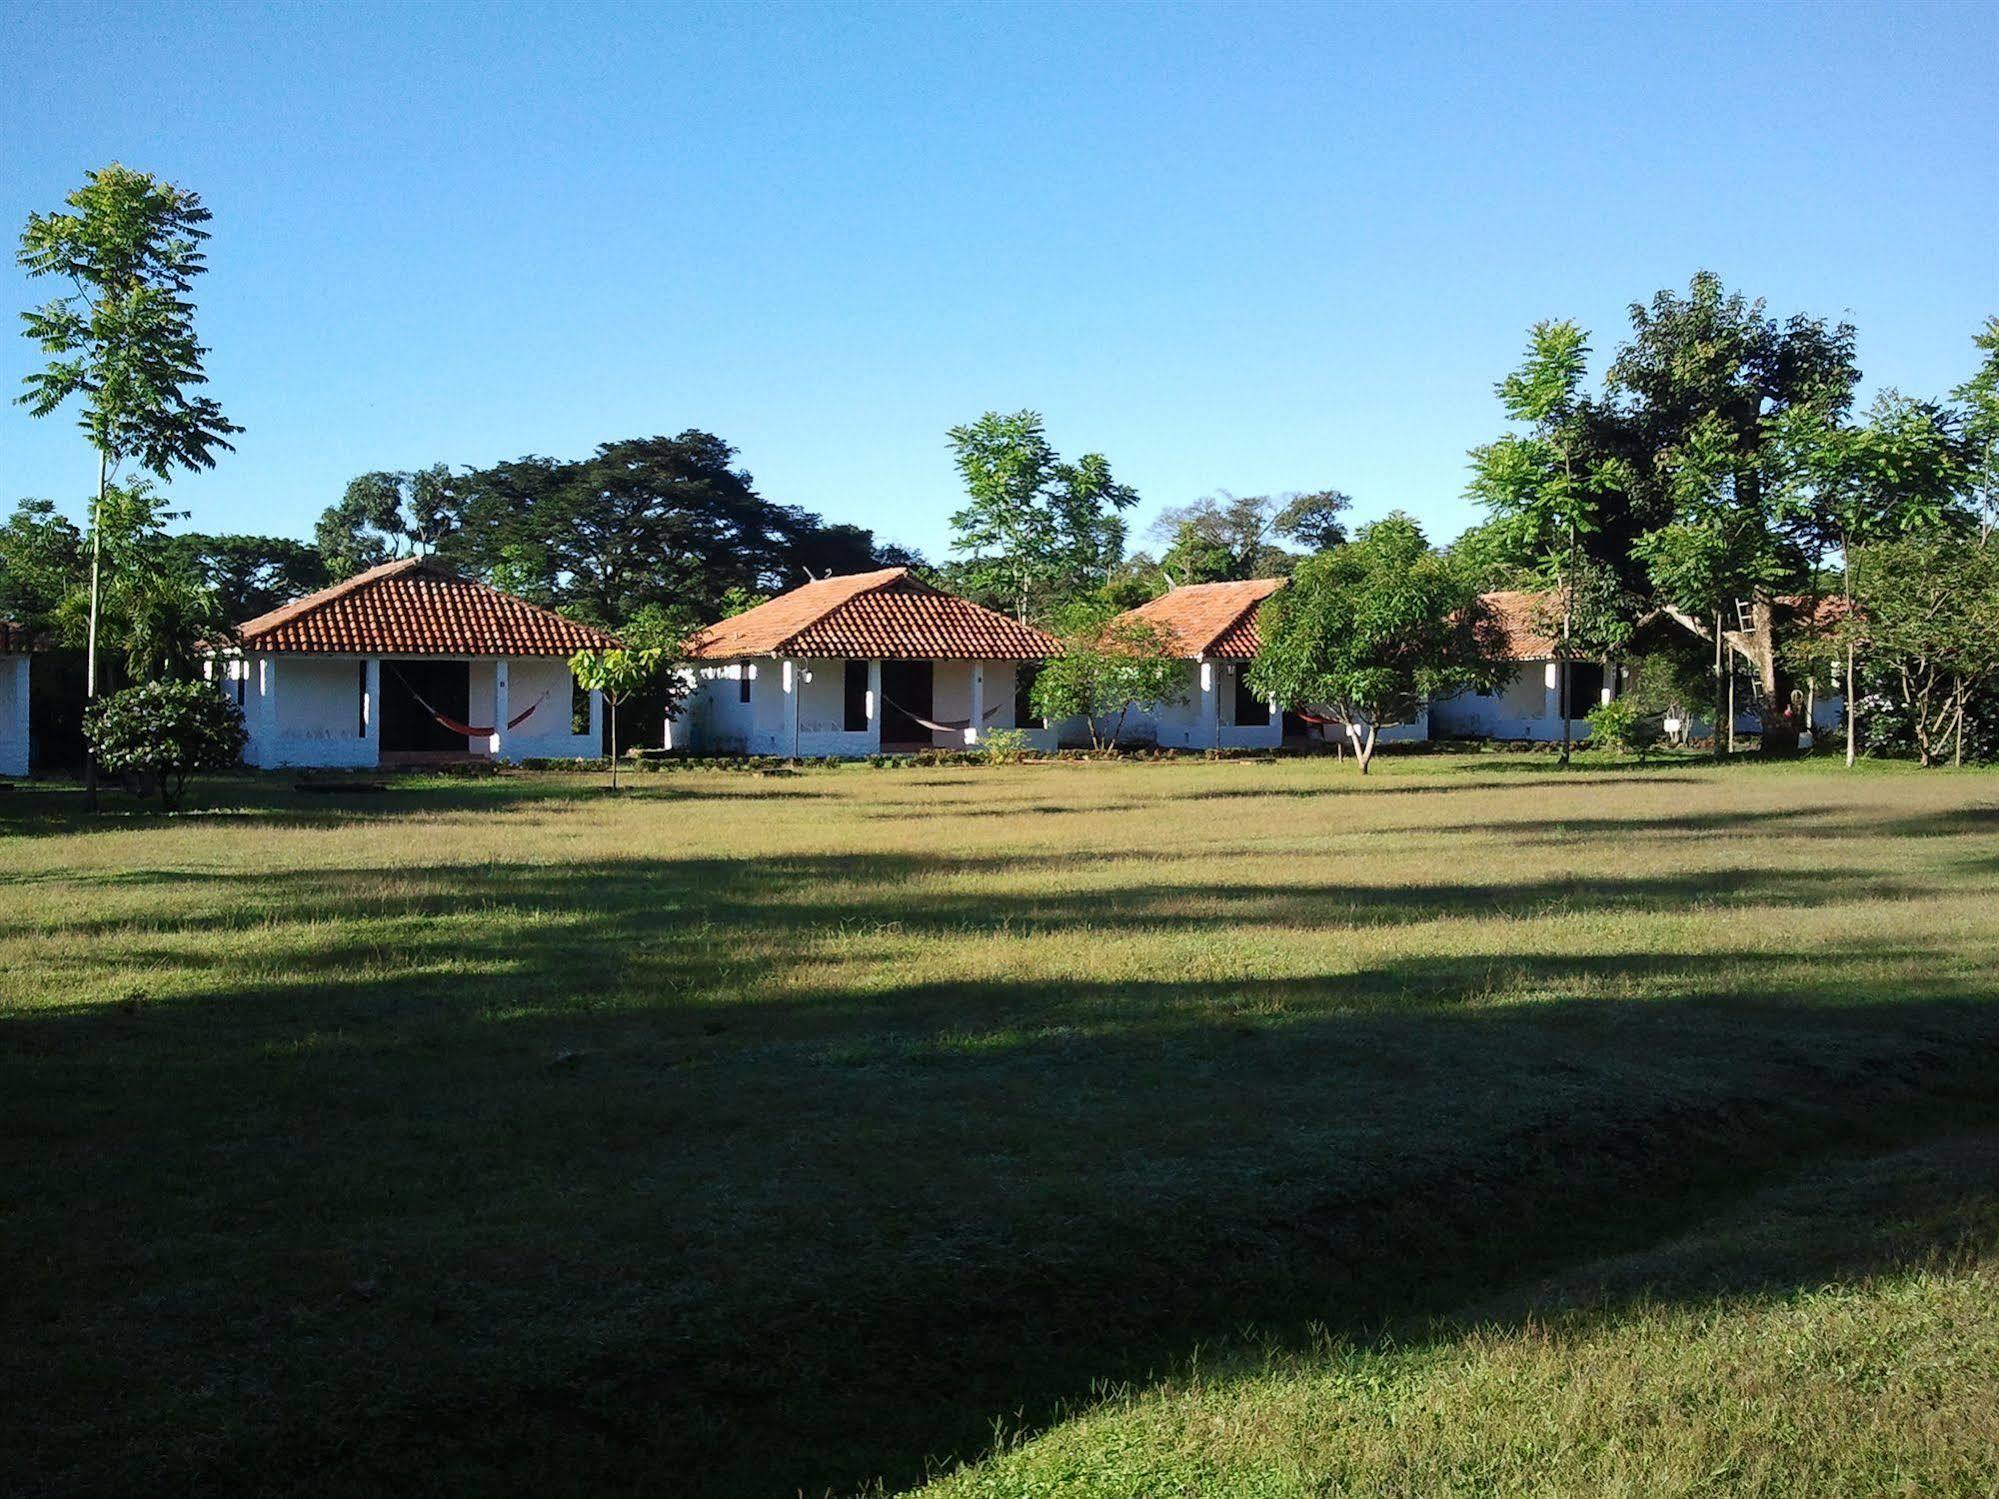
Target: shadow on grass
x,y
640,1174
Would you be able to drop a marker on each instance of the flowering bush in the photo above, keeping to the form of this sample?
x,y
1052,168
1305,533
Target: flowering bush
x,y
165,730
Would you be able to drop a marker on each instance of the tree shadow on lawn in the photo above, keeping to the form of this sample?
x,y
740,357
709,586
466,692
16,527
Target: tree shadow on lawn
x,y
615,1202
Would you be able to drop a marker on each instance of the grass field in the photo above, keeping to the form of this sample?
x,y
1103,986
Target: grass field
x,y
1240,1128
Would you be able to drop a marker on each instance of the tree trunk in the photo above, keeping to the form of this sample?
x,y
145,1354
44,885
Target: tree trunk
x,y
1852,688
614,744
90,656
1957,727
1363,745
1724,692
1562,685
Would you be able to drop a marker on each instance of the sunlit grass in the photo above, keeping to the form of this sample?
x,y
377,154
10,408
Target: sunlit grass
x,y
780,1133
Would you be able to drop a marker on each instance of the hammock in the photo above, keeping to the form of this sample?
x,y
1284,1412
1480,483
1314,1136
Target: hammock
x,y
470,731
953,727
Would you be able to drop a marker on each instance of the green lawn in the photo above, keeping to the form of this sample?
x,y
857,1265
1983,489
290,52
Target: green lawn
x,y
1192,1128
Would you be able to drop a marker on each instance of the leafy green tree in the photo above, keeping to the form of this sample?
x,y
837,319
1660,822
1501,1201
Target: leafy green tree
x,y
121,341
1370,630
1902,470
385,515
670,521
250,575
43,561
1697,401
618,674
166,731
1544,489
1927,612
1107,666
1036,530
1225,537
1979,398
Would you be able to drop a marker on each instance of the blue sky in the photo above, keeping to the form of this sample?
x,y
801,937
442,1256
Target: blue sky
x,y
1252,247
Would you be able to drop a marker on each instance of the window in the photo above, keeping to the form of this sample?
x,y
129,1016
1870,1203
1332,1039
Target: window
x,y
240,670
1024,676
743,673
1251,711
362,702
857,697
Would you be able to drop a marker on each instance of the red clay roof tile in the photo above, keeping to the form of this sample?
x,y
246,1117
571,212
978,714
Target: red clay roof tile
x,y
416,607
1216,620
887,615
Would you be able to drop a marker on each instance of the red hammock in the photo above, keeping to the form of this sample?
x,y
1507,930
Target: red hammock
x,y
470,731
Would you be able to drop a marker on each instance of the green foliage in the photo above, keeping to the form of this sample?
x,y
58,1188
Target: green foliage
x,y
667,521
1927,616
43,561
1003,746
1979,398
250,575
1225,537
1108,665
1623,726
620,674
1667,684
121,340
1036,530
1371,629
383,516
166,731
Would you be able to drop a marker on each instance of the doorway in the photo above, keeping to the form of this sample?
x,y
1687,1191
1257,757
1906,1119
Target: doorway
x,y
407,725
908,689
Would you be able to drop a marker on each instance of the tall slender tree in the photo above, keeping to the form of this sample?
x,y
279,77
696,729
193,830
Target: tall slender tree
x,y
121,340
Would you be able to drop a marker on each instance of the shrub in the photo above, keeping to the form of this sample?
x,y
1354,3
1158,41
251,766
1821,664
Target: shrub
x,y
1623,726
166,730
1004,746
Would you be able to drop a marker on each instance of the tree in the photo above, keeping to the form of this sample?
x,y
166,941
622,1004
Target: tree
x,y
1697,399
1543,488
122,341
166,731
667,521
251,575
1108,665
1927,611
1372,629
1903,470
1225,537
617,674
1979,398
1036,530
43,561
385,515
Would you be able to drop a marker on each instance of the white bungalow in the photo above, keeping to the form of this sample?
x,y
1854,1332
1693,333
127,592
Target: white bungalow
x,y
410,664
15,648
1527,705
866,663
1214,627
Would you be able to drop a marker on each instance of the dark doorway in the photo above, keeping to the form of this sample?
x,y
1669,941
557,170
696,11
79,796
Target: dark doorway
x,y
855,719
1251,710
407,725
1585,687
906,696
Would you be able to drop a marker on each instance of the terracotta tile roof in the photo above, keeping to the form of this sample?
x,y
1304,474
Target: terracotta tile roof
x,y
1518,611
1211,619
15,638
887,615
420,608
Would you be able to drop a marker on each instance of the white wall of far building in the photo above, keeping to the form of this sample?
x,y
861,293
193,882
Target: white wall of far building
x,y
324,712
799,708
13,715
1526,706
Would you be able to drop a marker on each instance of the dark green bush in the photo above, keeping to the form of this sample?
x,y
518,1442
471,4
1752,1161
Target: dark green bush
x,y
165,731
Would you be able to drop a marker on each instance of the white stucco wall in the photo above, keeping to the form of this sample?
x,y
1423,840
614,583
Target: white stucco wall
x,y
1526,706
312,712
13,715
714,720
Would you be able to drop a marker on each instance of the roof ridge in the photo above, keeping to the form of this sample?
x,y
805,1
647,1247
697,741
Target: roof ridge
x,y
284,614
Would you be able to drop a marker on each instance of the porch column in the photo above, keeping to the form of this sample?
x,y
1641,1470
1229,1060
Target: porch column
x,y
975,731
596,723
1551,694
371,710
794,689
268,754
1209,726
497,745
875,707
